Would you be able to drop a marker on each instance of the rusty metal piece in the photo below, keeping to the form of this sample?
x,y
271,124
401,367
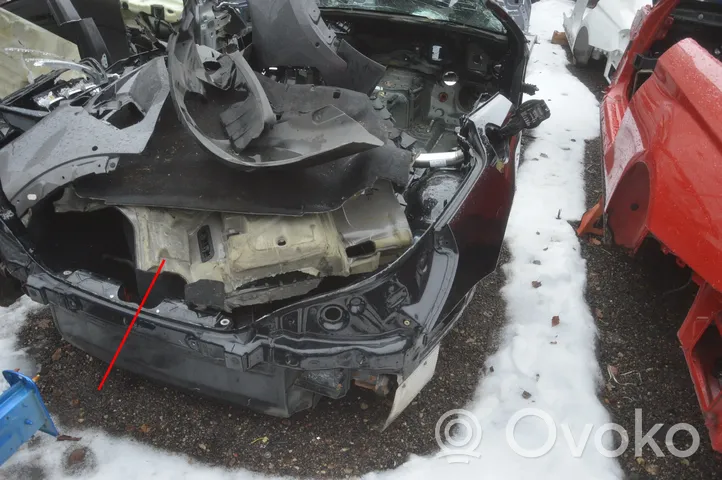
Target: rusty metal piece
x,y
378,384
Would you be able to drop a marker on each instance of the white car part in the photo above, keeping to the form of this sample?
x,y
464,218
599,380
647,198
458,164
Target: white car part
x,y
172,9
603,28
410,387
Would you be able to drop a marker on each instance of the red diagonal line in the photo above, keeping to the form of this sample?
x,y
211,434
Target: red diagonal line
x,y
132,322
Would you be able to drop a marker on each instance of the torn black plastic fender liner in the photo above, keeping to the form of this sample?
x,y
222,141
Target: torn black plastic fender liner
x,y
362,74
293,33
253,139
161,176
254,114
322,133
307,41
174,171
71,142
188,75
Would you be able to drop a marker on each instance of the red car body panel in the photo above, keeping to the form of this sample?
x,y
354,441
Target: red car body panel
x,y
663,171
616,99
700,339
670,132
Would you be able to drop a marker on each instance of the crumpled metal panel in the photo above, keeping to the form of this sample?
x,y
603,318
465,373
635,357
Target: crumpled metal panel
x,y
240,249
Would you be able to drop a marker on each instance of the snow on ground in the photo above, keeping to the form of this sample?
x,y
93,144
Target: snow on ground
x,y
554,365
11,319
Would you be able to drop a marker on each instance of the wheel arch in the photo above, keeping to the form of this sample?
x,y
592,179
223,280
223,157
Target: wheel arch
x,y
628,208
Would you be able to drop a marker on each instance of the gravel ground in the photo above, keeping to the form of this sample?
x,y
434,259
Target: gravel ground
x,y
639,304
336,439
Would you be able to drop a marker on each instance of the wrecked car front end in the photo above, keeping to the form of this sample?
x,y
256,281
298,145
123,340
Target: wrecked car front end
x,y
323,224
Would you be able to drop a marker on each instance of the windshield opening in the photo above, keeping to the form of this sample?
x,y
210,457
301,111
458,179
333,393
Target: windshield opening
x,y
472,13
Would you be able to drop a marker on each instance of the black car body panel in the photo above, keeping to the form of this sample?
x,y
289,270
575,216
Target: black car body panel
x,y
70,142
262,366
215,187
284,355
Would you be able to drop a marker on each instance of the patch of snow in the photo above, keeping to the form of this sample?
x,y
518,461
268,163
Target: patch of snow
x,y
11,319
539,365
555,365
117,459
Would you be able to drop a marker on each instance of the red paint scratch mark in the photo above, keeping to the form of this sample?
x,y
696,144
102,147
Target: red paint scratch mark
x,y
132,322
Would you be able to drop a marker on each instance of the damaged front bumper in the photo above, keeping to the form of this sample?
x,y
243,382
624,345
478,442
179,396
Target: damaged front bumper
x,y
386,324
287,360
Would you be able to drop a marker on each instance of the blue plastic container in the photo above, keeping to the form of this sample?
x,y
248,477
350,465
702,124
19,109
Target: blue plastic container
x,y
22,413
